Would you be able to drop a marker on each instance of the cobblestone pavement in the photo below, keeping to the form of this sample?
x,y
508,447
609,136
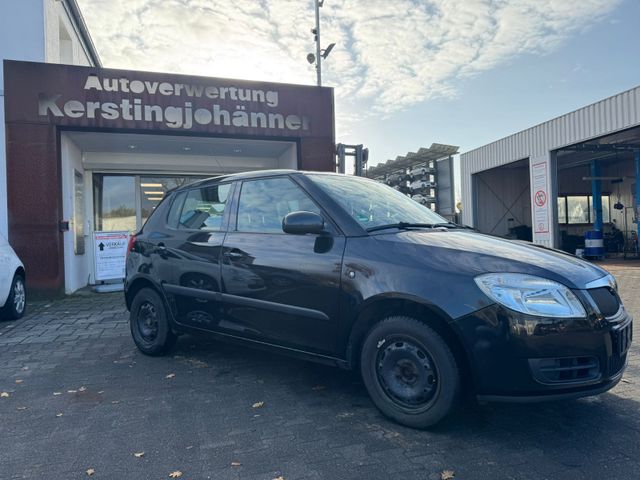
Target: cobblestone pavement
x,y
81,397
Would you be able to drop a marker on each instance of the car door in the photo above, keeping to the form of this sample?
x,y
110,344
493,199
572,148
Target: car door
x,y
277,287
190,254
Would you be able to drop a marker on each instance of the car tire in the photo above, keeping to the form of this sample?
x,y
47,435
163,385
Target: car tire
x,y
409,371
149,323
16,303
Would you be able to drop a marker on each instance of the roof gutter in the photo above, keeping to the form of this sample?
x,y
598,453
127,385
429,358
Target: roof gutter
x,y
84,31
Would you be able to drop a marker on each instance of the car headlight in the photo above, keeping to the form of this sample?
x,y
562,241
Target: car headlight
x,y
531,295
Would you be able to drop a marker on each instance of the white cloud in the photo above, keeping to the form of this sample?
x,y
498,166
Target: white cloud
x,y
390,54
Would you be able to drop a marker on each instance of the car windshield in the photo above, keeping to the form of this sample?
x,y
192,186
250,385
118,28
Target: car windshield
x,y
373,204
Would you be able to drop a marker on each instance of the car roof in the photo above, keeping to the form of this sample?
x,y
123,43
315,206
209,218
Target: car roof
x,y
247,175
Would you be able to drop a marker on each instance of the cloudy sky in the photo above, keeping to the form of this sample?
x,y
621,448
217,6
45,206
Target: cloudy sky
x,y
406,72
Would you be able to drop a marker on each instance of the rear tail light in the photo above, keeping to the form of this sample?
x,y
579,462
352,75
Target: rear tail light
x,y
132,241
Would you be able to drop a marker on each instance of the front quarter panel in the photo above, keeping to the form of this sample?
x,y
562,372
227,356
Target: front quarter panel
x,y
375,267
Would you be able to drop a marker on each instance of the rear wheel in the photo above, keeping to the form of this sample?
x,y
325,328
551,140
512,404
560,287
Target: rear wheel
x,y
16,303
409,371
149,323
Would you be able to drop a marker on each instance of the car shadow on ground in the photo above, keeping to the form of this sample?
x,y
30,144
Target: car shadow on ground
x,y
593,423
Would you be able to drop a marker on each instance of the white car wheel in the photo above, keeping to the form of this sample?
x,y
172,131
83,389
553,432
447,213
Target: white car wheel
x,y
17,301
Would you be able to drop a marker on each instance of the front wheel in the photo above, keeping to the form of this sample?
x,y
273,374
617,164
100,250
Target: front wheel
x,y
16,303
409,371
149,323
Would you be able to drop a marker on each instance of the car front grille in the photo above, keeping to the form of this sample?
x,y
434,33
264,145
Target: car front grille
x,y
606,300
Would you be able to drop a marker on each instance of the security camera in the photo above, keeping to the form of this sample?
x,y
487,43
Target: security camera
x,y
311,58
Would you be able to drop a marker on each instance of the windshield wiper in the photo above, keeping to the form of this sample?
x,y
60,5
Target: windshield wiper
x,y
448,225
453,225
402,225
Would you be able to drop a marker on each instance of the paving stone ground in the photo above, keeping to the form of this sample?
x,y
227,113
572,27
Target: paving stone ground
x,y
81,397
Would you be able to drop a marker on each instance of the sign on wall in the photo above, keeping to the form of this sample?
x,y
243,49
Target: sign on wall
x,y
540,196
110,254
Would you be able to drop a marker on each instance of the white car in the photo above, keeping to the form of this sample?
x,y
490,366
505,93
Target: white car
x,y
13,296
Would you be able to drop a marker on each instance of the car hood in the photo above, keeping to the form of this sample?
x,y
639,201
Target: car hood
x,y
473,253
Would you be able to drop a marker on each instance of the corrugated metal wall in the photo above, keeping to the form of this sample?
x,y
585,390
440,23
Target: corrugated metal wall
x,y
612,114
503,195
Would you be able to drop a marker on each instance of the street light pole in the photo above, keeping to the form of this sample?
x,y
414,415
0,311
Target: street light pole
x,y
318,57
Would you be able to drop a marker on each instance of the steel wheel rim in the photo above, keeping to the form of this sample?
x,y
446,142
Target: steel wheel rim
x,y
147,322
19,296
407,374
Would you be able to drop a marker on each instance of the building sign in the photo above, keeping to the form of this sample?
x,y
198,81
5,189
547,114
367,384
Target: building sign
x,y
184,115
110,253
540,193
109,98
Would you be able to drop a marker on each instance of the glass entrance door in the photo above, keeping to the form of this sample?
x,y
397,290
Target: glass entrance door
x,y
124,202
114,203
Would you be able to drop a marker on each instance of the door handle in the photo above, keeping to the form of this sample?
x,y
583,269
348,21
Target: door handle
x,y
233,254
161,246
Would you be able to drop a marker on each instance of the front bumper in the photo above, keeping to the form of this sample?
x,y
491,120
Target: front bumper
x,y
521,358
554,395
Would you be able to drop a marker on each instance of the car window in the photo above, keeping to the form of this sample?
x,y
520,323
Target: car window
x,y
264,203
372,203
173,218
204,208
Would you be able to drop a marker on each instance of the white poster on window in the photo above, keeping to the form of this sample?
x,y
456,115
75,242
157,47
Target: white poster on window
x,y
540,201
110,254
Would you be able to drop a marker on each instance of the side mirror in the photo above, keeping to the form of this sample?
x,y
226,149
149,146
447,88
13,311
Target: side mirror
x,y
299,223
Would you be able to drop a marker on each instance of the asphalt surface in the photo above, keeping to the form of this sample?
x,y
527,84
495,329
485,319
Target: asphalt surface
x,y
76,396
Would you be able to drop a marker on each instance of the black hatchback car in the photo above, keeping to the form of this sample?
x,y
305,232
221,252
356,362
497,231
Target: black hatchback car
x,y
350,272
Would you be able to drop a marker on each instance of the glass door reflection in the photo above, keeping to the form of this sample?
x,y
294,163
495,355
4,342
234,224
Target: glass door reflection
x,y
125,202
153,189
114,203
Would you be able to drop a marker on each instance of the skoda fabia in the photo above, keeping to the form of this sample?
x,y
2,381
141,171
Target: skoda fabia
x,y
347,271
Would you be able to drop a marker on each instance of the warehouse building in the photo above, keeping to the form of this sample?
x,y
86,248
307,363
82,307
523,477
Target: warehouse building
x,y
572,182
